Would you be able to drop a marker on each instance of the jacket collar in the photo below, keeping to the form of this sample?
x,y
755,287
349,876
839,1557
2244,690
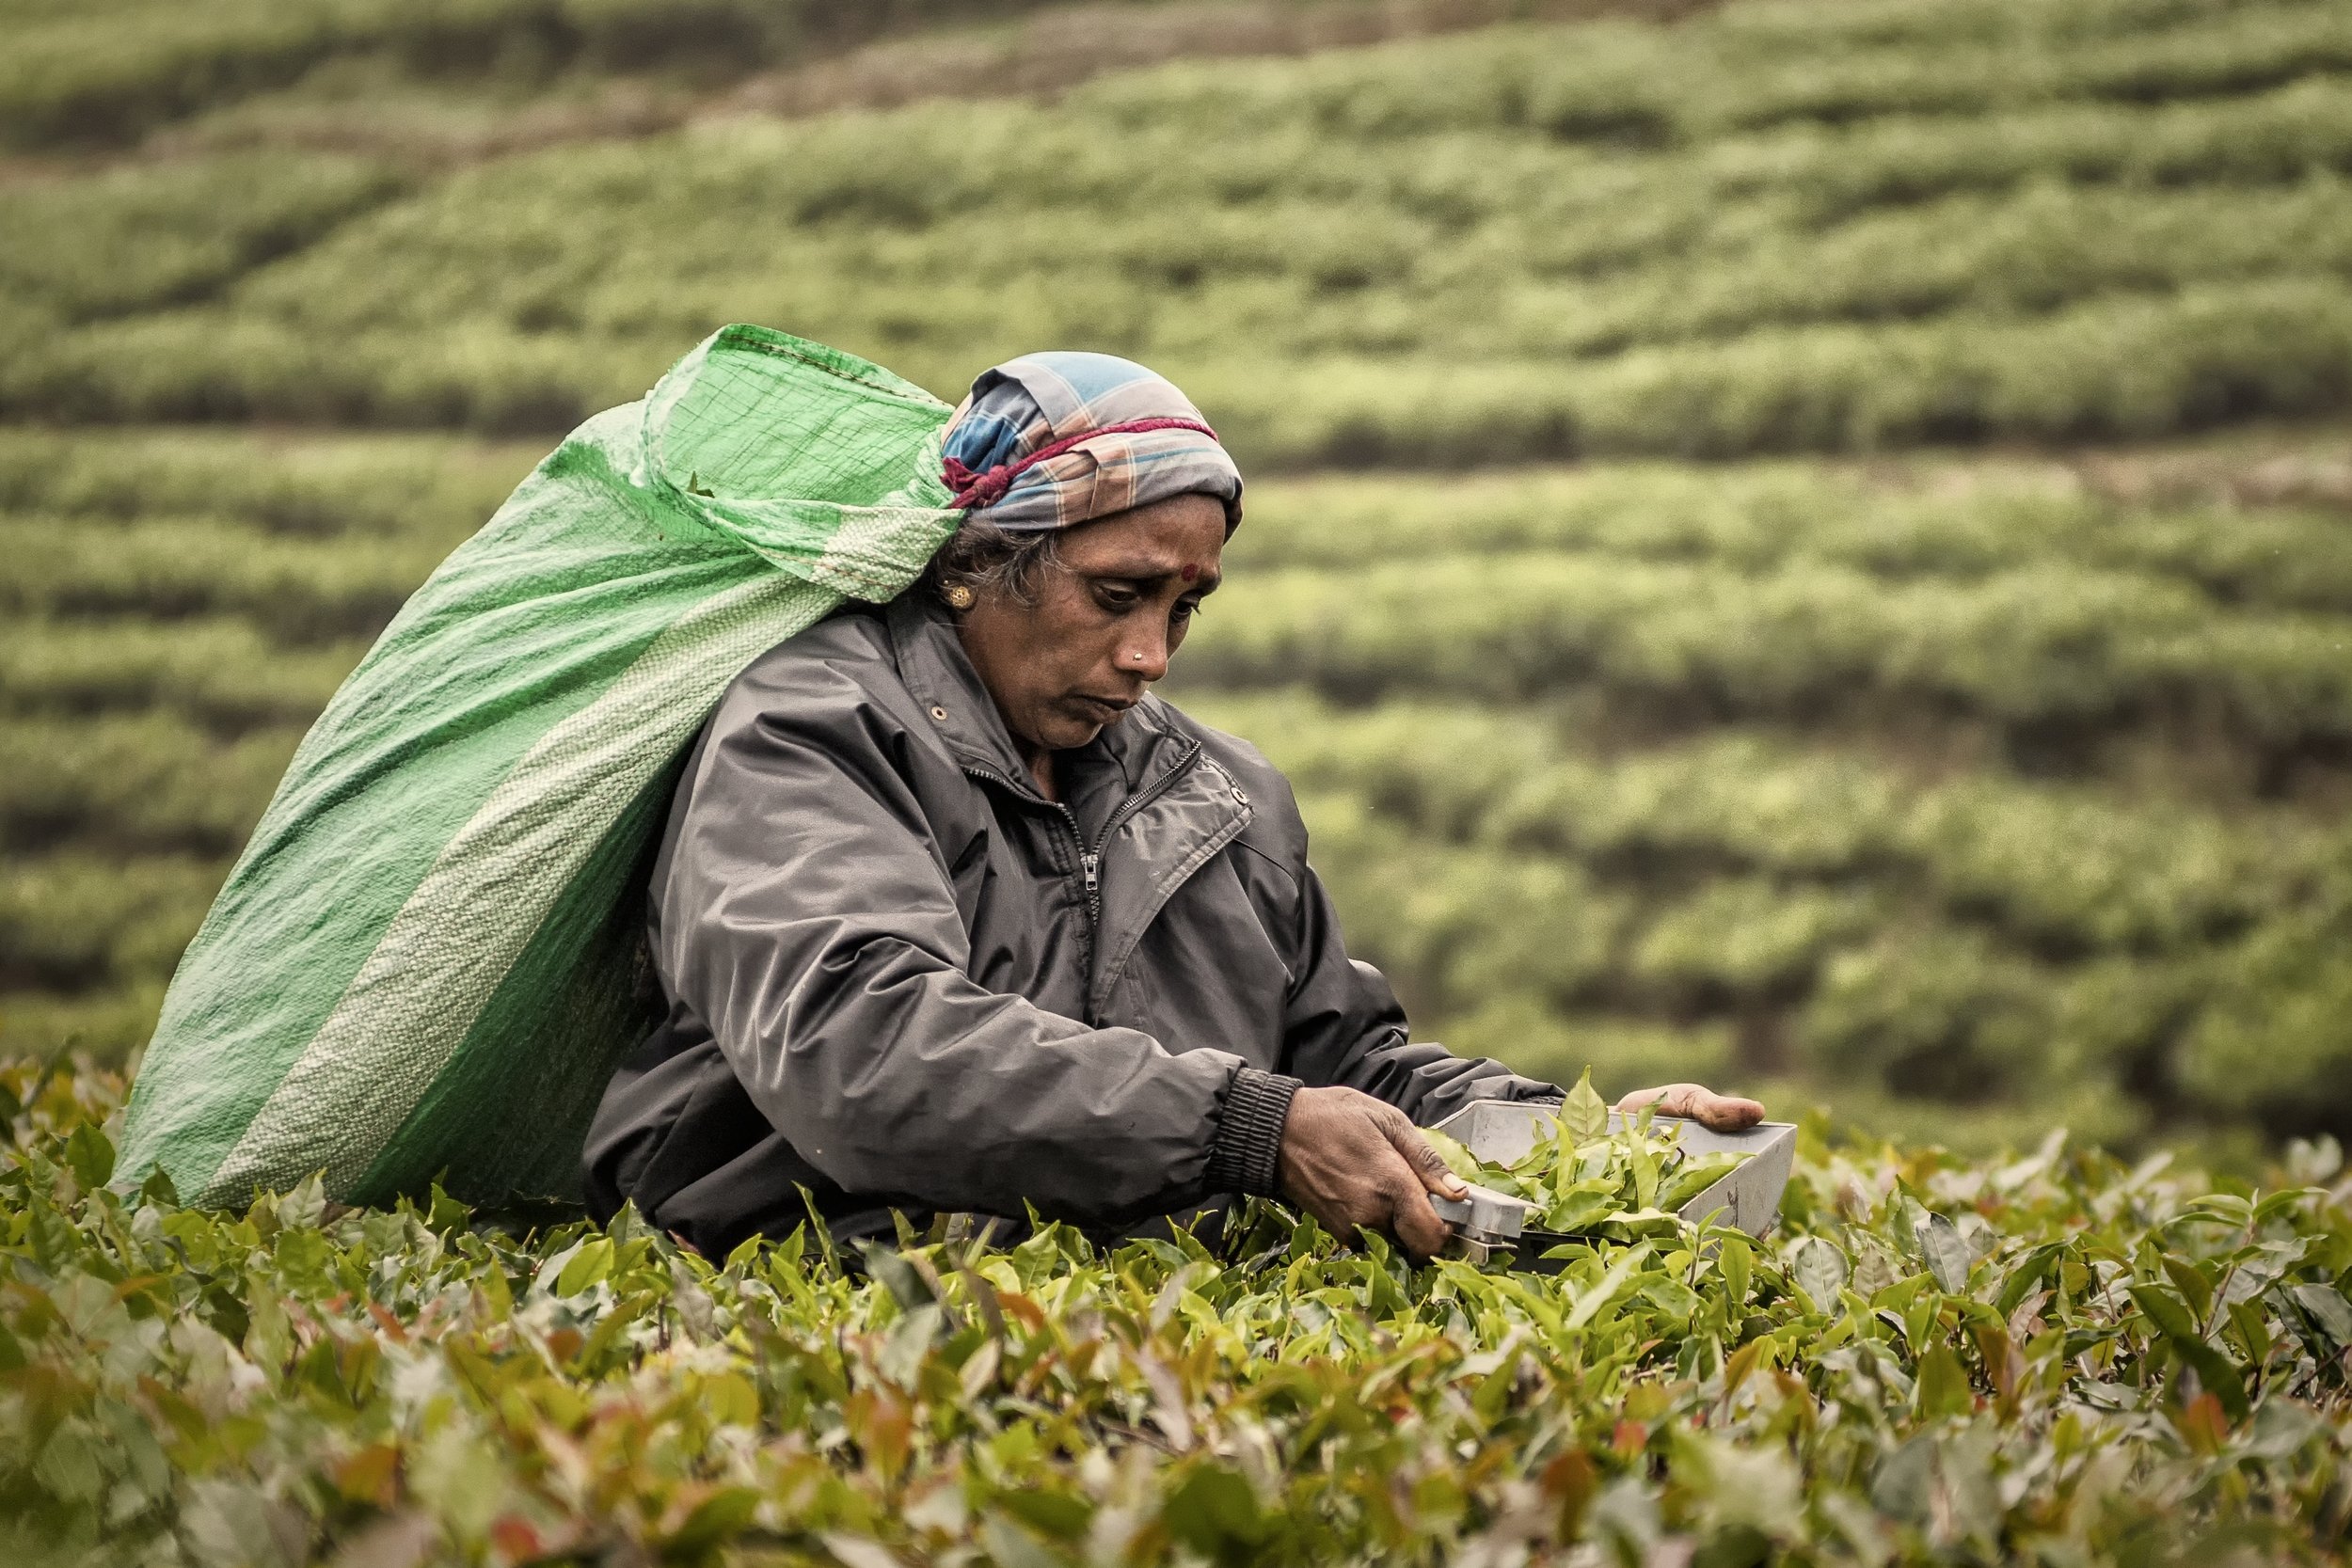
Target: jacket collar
x,y
938,675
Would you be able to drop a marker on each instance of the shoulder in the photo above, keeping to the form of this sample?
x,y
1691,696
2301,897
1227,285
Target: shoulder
x,y
834,687
844,658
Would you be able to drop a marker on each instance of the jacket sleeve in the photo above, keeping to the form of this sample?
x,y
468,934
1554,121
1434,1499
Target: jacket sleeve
x,y
807,918
1345,1027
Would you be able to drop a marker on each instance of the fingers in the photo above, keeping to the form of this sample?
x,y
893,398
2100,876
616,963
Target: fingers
x,y
1724,1113
1664,1099
1356,1163
1718,1113
1342,1162
1427,1166
1411,1221
1336,1220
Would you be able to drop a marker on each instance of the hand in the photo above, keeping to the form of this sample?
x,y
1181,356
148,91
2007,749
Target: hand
x,y
1354,1161
1717,1112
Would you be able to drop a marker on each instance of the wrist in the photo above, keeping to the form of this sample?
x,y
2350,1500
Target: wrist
x,y
1244,1154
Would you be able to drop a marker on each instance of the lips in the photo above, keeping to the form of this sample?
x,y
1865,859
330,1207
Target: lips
x,y
1105,709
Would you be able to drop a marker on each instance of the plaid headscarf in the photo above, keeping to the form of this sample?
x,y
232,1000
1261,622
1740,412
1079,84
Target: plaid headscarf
x,y
1051,441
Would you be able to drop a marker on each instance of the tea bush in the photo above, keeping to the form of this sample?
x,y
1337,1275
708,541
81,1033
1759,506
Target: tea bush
x,y
2058,1359
140,237
1922,520
220,670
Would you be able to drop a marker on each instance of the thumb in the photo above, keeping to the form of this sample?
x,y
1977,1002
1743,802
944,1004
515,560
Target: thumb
x,y
1426,1162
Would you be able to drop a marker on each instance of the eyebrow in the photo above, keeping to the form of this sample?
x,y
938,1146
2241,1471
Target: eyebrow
x,y
1207,584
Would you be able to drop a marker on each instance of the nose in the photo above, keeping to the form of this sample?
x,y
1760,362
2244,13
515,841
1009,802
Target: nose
x,y
1144,656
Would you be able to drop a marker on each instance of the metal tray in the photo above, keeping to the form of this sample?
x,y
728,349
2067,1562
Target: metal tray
x,y
1503,1132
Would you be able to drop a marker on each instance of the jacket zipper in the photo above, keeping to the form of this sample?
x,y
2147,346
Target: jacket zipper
x,y
1091,859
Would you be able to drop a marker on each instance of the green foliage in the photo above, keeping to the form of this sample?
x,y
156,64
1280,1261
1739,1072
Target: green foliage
x,y
1896,520
1771,227
430,489
2006,788
106,73
2121,367
2030,649
135,782
2054,1359
2273,1042
140,237
294,589
1583,1179
1844,917
2054,868
73,921
221,671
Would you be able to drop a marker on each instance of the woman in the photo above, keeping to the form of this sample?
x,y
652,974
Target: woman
x,y
953,915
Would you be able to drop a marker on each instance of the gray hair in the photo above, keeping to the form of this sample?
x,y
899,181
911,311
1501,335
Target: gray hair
x,y
986,558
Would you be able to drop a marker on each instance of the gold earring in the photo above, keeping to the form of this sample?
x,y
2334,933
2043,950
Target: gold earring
x,y
958,595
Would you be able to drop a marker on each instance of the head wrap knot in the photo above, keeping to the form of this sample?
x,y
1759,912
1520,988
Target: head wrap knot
x,y
1051,441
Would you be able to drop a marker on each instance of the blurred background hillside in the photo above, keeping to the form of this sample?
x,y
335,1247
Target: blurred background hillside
x,y
1802,544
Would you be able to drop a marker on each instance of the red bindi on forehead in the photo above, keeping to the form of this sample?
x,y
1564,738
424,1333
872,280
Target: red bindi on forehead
x,y
1192,574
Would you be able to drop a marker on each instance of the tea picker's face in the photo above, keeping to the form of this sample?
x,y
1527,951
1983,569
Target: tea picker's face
x,y
1108,616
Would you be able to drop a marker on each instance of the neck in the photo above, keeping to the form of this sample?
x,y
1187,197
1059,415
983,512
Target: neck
x,y
1041,765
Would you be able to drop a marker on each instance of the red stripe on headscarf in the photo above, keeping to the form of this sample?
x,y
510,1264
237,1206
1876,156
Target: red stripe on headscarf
x,y
977,490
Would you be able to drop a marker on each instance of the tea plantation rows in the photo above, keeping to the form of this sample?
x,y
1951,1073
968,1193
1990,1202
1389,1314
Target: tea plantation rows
x,y
1968,792
2018,857
1770,228
79,75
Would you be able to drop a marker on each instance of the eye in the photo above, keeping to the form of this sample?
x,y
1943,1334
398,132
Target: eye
x,y
1186,609
1117,597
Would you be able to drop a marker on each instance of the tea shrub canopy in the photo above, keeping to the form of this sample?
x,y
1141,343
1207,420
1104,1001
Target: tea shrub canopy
x,y
1803,543
2063,1360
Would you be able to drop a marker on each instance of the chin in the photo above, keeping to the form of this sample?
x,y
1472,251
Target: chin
x,y
1072,731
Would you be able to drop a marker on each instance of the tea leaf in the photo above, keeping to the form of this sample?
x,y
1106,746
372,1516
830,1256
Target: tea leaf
x,y
91,1156
2213,1371
1819,1270
1584,1115
1946,1254
1733,1261
2328,1307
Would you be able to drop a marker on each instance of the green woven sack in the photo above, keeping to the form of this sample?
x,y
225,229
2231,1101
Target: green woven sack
x,y
429,956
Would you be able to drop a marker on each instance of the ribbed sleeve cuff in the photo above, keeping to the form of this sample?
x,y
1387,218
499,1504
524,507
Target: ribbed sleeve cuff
x,y
1244,1157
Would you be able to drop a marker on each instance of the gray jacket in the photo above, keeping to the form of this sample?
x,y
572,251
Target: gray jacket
x,y
900,977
